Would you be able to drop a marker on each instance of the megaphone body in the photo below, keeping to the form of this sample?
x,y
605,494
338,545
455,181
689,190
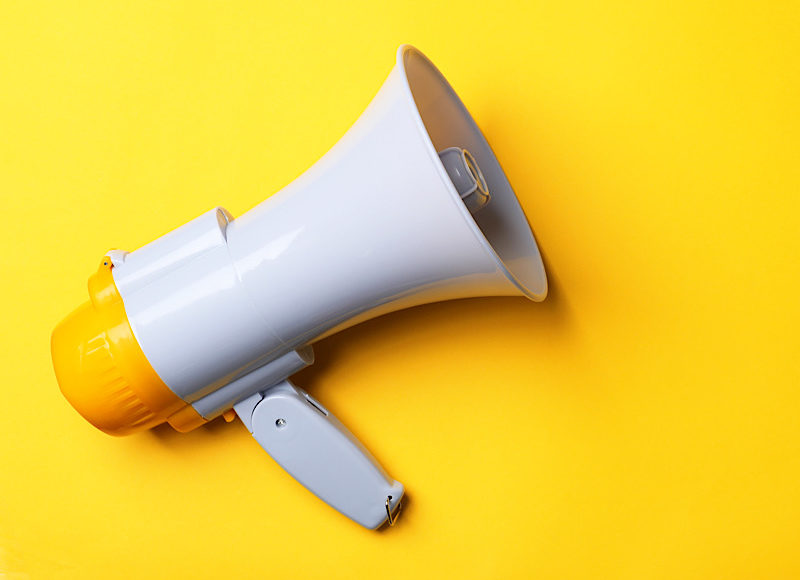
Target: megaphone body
x,y
409,207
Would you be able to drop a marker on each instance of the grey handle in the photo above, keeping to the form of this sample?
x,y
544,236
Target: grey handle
x,y
319,452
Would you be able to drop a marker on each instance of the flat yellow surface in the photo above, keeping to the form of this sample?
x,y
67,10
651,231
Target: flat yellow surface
x,y
640,423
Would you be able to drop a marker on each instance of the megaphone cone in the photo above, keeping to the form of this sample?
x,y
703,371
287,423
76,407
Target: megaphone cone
x,y
411,206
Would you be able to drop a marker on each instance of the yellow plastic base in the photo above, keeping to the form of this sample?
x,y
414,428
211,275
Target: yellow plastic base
x,y
103,372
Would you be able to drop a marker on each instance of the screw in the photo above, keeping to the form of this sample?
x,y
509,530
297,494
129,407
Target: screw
x,y
280,423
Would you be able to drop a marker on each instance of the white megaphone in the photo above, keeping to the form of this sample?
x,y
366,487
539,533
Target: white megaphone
x,y
410,207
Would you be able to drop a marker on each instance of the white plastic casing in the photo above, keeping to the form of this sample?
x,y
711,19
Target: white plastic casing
x,y
224,309
375,226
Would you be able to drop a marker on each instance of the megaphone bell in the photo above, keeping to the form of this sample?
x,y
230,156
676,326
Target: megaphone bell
x,y
409,207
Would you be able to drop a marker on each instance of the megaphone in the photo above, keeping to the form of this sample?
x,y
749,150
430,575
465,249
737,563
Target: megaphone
x,y
409,207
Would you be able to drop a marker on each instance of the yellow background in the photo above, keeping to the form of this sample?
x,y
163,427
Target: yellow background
x,y
640,423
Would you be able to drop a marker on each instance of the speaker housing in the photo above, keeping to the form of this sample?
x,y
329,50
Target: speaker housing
x,y
376,225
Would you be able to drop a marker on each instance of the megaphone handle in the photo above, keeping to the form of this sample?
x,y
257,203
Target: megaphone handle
x,y
319,452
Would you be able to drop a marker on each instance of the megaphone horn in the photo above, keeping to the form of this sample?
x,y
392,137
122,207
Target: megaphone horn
x,y
409,207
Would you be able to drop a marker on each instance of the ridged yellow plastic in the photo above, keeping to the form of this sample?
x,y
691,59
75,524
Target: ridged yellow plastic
x,y
103,372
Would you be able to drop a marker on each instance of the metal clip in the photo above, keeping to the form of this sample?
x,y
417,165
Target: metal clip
x,y
392,518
